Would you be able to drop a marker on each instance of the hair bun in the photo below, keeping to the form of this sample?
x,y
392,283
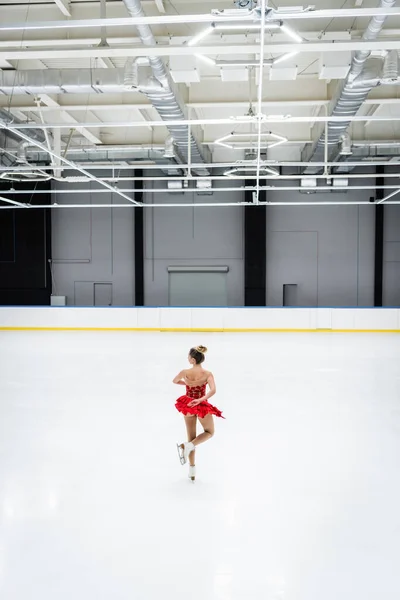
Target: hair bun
x,y
201,349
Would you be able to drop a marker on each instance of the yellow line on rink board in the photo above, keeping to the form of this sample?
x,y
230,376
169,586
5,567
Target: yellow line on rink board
x,y
198,329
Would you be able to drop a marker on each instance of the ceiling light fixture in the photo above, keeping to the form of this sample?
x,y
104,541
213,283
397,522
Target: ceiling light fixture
x,y
242,63
237,171
292,34
244,26
240,26
277,117
277,140
284,57
25,176
197,38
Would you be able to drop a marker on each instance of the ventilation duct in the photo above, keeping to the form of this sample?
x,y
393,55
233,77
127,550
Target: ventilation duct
x,y
353,93
131,74
69,81
345,147
21,153
169,151
390,68
6,119
164,100
370,76
36,134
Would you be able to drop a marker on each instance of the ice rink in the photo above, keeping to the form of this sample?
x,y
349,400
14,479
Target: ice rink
x,y
297,496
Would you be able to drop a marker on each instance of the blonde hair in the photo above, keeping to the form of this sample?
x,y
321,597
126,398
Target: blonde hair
x,y
198,353
201,349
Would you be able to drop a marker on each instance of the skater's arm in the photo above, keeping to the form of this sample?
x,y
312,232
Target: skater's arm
x,y
179,379
211,392
212,386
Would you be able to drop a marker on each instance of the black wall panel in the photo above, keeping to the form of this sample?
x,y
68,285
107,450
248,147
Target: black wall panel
x,y
25,248
379,225
255,252
139,243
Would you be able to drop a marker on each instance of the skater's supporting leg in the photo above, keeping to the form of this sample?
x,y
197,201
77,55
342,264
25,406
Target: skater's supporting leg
x,y
191,423
208,425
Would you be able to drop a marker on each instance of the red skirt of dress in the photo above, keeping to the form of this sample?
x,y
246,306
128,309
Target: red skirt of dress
x,y
200,410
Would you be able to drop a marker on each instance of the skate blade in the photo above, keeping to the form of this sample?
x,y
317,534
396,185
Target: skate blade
x,y
180,454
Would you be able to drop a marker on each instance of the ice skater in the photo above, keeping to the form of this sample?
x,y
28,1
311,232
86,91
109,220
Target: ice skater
x,y
194,405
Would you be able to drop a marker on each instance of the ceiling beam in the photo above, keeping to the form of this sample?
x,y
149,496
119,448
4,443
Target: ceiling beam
x,y
224,121
164,40
195,105
52,105
218,48
207,105
128,178
206,18
73,165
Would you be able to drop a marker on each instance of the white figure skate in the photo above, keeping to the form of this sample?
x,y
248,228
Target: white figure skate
x,y
184,450
192,473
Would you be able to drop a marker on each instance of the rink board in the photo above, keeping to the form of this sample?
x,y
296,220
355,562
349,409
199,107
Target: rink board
x,y
200,319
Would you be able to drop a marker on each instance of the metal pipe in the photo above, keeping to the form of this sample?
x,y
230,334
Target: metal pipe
x,y
260,91
73,179
151,166
71,133
326,168
389,196
270,188
199,205
45,131
103,30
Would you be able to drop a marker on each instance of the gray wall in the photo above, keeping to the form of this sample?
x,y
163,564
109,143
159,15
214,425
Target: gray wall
x,y
92,246
196,237
391,256
328,251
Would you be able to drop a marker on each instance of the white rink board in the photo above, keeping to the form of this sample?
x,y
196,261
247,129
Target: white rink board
x,y
213,319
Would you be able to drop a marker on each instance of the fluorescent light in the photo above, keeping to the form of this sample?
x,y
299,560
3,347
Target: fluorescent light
x,y
206,59
272,140
228,26
253,169
286,56
292,34
242,63
244,26
277,117
200,36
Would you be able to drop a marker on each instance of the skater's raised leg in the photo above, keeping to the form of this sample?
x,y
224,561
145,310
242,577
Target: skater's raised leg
x,y
208,425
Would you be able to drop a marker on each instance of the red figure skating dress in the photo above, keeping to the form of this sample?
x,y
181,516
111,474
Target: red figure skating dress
x,y
202,409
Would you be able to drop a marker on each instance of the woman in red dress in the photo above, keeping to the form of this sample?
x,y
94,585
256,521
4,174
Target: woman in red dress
x,y
194,405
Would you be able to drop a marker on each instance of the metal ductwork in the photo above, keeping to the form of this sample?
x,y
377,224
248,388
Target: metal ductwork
x,y
20,151
56,81
164,99
354,92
